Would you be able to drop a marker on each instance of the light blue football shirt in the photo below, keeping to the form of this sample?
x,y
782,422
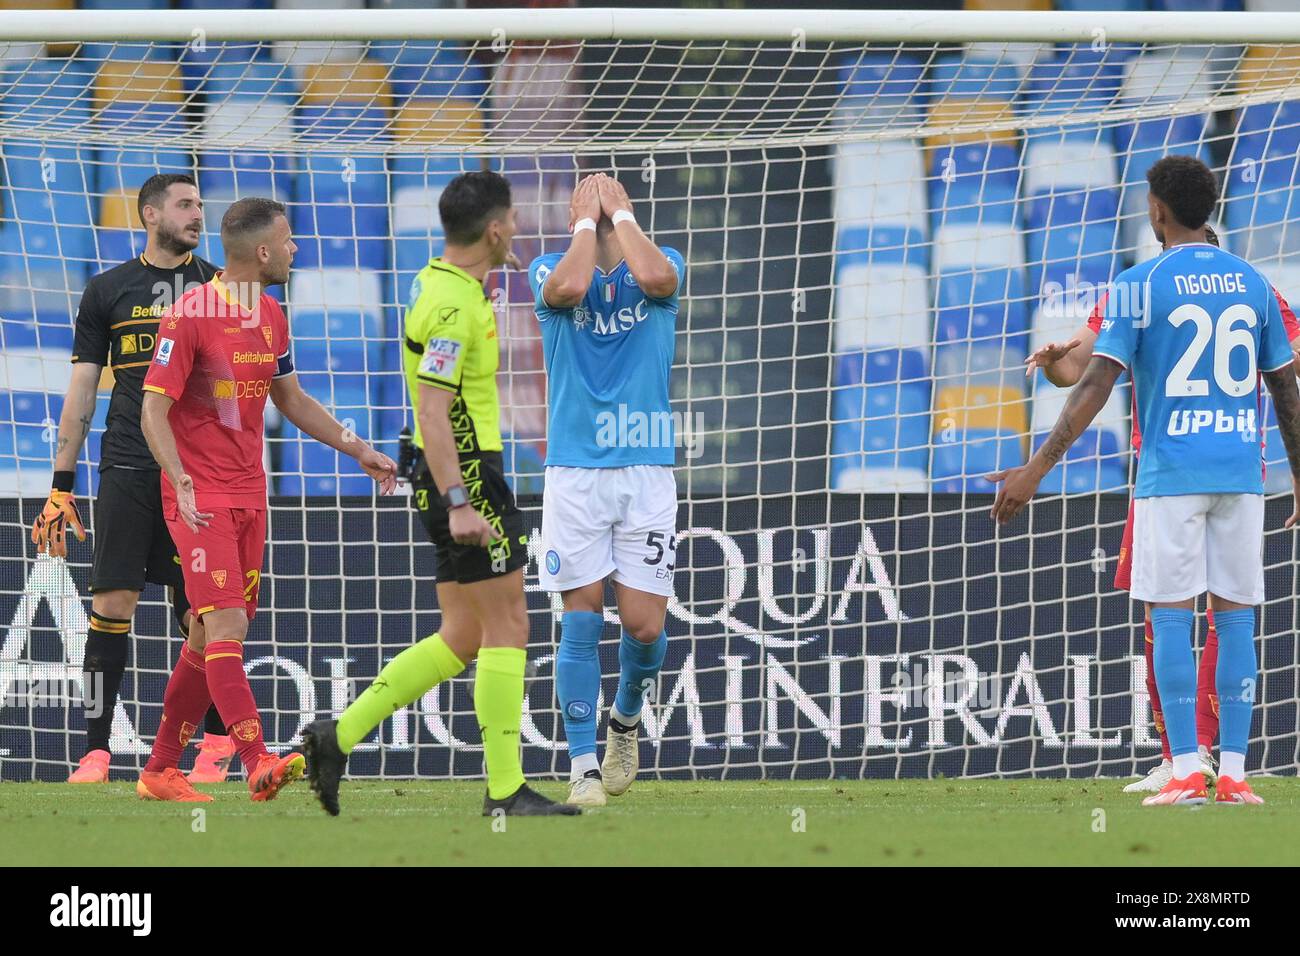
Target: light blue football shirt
x,y
608,360
1196,326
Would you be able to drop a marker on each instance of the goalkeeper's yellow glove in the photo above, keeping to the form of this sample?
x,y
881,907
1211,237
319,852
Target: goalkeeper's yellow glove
x,y
50,528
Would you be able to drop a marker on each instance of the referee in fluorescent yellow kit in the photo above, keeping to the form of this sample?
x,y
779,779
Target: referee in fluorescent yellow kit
x,y
460,491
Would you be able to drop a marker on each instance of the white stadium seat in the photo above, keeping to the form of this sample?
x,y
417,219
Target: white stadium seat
x,y
880,184
881,307
979,245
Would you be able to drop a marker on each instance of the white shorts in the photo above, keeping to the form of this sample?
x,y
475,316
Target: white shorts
x,y
602,521
1185,545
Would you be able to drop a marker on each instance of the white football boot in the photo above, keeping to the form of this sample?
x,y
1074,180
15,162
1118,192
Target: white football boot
x,y
1154,781
1209,770
587,791
622,759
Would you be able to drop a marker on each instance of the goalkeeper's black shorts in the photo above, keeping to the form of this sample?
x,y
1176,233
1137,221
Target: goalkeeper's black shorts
x,y
483,474
131,542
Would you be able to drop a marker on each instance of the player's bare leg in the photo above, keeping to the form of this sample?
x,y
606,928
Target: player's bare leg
x,y
405,679
640,654
499,696
105,662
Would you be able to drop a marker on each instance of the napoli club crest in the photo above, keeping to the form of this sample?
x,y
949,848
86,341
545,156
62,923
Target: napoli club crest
x,y
552,562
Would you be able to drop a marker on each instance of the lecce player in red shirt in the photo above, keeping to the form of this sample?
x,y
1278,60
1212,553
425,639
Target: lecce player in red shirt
x,y
221,351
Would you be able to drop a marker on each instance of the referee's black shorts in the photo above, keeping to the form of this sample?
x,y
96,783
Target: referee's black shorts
x,y
132,543
489,493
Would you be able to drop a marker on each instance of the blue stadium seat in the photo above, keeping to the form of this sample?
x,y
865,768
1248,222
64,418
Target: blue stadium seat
x,y
954,74
882,83
1266,125
246,174
125,4
881,245
197,66
17,333
99,52
54,331
225,4
341,234
48,183
125,169
1259,201
1074,78
355,120
881,410
960,465
1277,471
430,70
1097,6
260,81
308,467
48,90
1093,463
524,465
974,183
118,245
982,306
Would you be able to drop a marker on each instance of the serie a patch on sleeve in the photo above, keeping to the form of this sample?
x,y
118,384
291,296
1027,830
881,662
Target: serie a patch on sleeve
x,y
164,351
441,358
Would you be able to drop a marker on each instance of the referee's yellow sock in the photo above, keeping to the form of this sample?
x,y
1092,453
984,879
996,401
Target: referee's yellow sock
x,y
499,704
402,681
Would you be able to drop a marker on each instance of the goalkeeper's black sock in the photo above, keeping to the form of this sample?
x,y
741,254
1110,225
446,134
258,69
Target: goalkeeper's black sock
x,y
212,723
106,646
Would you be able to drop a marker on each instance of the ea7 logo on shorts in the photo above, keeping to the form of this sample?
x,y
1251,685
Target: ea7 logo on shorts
x,y
219,578
441,356
164,351
552,562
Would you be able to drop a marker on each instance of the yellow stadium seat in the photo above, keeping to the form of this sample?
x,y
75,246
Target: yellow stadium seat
x,y
438,121
964,111
1008,4
980,406
366,82
146,81
38,4
117,210
1268,68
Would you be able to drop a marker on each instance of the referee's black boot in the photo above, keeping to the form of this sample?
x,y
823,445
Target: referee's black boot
x,y
325,762
526,802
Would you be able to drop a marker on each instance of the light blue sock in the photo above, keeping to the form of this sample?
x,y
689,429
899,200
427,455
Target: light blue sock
x,y
1176,674
577,678
1235,677
637,663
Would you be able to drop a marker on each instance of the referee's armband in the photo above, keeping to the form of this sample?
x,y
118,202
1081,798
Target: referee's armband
x,y
284,365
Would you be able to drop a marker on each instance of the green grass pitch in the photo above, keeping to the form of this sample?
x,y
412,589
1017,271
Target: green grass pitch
x,y
914,822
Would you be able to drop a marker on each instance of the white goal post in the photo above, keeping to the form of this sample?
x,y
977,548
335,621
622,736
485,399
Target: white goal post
x,y
882,214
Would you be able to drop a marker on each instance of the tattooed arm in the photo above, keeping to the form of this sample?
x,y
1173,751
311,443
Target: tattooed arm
x,y
1286,402
78,411
1086,400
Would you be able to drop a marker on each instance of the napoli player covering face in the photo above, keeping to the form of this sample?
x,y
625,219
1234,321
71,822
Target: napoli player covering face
x,y
1196,326
608,315
223,349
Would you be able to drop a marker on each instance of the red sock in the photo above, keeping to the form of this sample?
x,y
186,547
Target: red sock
x,y
184,703
234,699
1157,714
1207,701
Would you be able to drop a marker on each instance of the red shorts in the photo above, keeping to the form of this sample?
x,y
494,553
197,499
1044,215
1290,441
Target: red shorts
x,y
222,563
1124,570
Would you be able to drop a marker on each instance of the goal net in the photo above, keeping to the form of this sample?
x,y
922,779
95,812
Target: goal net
x,y
881,216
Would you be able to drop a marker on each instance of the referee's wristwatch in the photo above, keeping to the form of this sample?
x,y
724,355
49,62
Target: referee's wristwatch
x,y
456,497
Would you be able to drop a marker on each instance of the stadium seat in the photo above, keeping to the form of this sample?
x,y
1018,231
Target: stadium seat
x,y
959,76
1048,400
1166,76
224,4
880,183
1261,208
1073,79
961,460
1055,165
980,407
971,112
125,4
1093,463
880,244
980,311
432,71
881,306
974,183
990,245
1277,470
880,87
